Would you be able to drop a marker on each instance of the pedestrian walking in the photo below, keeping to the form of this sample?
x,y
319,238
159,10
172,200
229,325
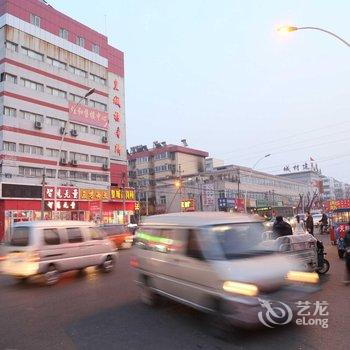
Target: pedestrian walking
x,y
347,257
299,226
309,223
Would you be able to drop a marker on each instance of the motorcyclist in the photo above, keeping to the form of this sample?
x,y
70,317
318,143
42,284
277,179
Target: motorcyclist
x,y
324,222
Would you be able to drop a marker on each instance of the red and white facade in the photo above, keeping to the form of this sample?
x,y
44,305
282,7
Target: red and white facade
x,y
48,61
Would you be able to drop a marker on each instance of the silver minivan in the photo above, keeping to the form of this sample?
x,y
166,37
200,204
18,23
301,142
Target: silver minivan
x,y
51,247
218,263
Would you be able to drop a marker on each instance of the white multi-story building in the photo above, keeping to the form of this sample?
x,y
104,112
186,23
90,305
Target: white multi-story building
x,y
48,62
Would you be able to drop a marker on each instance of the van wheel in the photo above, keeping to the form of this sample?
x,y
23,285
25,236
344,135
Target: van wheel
x,y
51,276
147,295
107,265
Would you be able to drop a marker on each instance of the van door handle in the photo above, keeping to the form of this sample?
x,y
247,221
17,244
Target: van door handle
x,y
89,245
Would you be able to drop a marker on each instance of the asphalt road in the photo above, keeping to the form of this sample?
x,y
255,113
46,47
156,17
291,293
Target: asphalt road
x,y
103,311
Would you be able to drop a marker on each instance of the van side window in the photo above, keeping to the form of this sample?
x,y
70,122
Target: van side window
x,y
193,248
95,233
74,235
51,236
155,239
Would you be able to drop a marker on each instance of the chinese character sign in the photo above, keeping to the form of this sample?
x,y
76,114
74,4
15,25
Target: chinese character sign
x,y
61,205
117,194
116,128
61,193
188,205
86,115
92,194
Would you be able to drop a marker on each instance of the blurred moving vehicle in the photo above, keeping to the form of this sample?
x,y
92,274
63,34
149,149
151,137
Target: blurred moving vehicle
x,y
51,247
120,235
218,263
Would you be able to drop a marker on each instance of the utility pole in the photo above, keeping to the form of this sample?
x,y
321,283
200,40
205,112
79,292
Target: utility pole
x,y
146,202
238,183
180,188
43,195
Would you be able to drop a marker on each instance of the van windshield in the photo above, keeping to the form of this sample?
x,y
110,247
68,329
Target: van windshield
x,y
234,241
19,237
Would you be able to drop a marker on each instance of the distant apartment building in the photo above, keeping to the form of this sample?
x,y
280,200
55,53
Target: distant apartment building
x,y
48,63
153,171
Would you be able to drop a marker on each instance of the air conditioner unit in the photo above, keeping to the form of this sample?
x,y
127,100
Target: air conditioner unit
x,y
74,162
63,161
104,139
73,132
105,166
62,130
38,125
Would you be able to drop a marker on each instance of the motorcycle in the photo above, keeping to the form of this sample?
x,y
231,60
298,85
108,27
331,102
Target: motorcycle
x,y
322,263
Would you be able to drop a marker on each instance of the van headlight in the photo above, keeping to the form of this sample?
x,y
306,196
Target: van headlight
x,y
300,276
240,288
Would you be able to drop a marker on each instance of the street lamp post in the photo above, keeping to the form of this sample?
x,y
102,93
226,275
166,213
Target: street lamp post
x,y
250,176
65,127
288,29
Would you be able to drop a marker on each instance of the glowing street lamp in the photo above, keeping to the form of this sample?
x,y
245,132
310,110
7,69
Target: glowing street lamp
x,y
287,29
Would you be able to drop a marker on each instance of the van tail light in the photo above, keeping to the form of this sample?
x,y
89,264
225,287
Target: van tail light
x,y
134,262
2,258
33,257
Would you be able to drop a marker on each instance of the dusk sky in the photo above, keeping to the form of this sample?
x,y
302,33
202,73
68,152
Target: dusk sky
x,y
218,74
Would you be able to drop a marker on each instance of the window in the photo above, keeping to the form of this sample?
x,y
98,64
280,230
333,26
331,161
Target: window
x,y
63,33
162,199
8,77
78,71
98,105
77,98
142,160
33,54
79,156
193,247
163,155
31,116
56,63
20,237
29,171
55,121
98,132
80,128
96,48
78,175
30,149
99,177
80,41
56,92
74,235
34,19
51,152
11,46
159,240
9,111
51,236
98,159
32,84
50,173
98,79
9,146
62,174
95,233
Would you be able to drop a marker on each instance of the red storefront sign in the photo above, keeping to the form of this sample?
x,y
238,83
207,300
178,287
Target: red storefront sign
x,y
61,205
188,205
61,193
95,206
239,203
86,115
338,204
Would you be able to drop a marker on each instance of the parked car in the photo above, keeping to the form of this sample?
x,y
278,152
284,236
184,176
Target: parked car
x,y
218,263
120,235
51,247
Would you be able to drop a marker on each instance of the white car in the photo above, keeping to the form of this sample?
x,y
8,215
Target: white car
x,y
50,247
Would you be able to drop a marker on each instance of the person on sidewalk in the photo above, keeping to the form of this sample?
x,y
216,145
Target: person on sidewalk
x,y
309,223
299,226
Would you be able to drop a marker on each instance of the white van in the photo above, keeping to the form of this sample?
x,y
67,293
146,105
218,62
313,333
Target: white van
x,y
218,263
50,247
